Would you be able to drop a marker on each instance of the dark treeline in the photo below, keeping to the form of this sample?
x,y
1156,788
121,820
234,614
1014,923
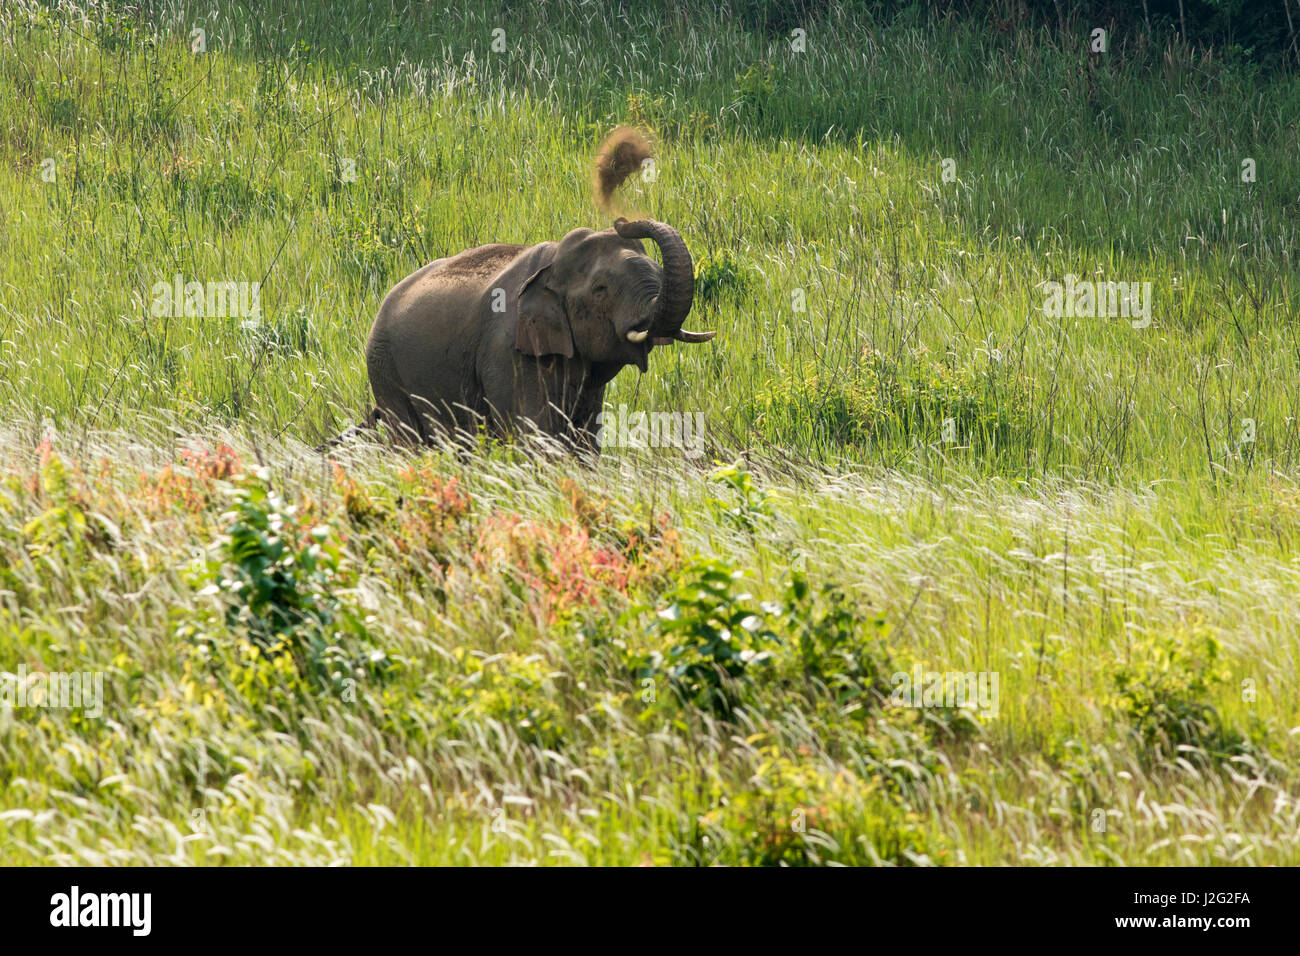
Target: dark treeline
x,y
1263,31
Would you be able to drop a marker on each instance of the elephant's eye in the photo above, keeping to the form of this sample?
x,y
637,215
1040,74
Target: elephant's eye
x,y
600,288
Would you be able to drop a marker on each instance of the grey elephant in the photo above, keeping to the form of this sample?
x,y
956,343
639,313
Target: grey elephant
x,y
516,337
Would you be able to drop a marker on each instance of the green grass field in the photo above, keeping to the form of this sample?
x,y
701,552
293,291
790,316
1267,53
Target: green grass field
x,y
499,657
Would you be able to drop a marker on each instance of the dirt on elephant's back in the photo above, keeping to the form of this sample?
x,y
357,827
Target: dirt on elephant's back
x,y
481,261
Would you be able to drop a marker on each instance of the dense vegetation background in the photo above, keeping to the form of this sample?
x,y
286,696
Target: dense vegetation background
x,y
498,657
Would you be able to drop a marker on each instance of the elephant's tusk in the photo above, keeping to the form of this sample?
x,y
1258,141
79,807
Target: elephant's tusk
x,y
683,335
638,336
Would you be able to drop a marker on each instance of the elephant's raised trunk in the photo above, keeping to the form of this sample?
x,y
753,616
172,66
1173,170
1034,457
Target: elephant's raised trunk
x,y
678,291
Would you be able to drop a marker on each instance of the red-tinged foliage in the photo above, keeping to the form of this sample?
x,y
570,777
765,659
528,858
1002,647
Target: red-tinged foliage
x,y
559,565
223,463
361,508
173,489
433,506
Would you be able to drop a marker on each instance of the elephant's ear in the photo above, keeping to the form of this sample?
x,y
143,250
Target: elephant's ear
x,y
543,326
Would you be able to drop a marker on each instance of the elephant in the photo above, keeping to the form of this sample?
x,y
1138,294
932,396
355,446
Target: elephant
x,y
515,337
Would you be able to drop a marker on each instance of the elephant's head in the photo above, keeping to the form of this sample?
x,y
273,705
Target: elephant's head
x,y
600,296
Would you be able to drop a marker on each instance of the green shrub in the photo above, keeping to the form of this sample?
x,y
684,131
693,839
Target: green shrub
x,y
839,648
710,640
756,86
1162,694
882,403
373,243
718,274
66,528
795,813
276,578
513,689
747,508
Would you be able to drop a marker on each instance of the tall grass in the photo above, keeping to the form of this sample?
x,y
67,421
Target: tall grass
x,y
817,175
484,696
444,658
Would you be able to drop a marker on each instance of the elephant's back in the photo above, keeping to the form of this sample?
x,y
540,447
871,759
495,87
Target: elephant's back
x,y
479,262
456,271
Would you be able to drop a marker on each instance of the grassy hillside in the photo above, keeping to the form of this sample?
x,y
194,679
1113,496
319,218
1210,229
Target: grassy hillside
x,y
500,657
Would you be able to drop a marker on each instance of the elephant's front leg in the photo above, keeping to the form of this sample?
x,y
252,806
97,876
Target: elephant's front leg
x,y
585,425
561,400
